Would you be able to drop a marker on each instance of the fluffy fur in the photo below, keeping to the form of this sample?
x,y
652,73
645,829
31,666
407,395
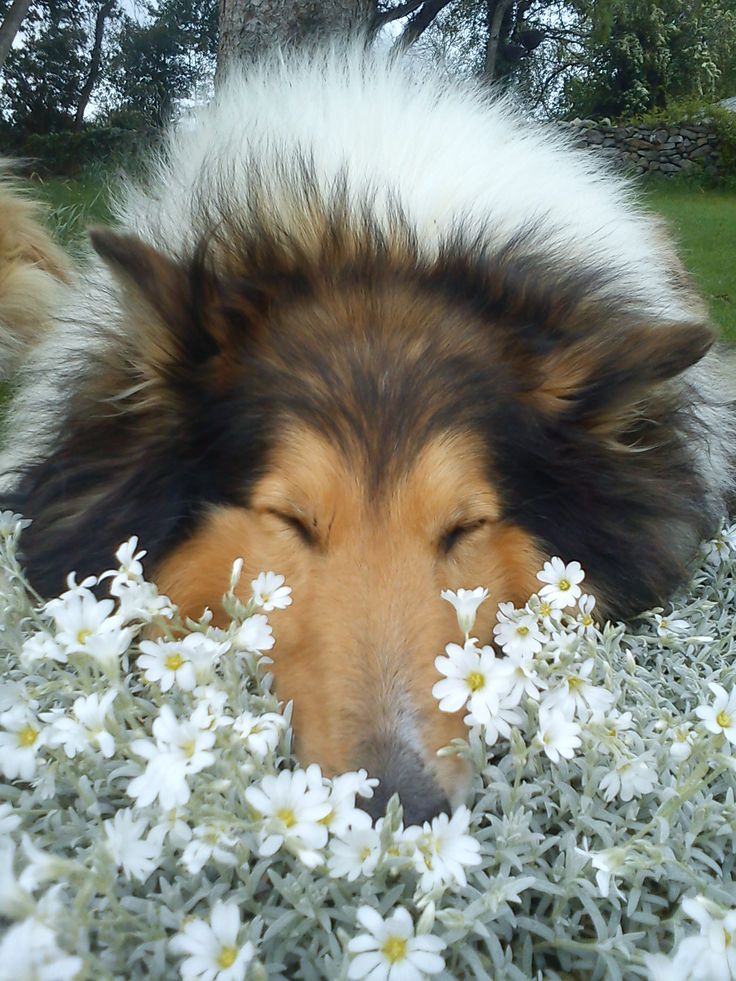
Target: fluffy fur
x,y
348,267
33,274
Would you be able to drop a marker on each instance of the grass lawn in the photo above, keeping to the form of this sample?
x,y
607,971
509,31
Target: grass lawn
x,y
702,220
704,223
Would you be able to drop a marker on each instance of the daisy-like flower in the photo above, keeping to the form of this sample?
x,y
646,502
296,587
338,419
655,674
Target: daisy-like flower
x,y
608,864
576,695
270,592
630,778
667,626
683,740
586,625
444,849
86,625
523,678
41,647
356,852
343,790
86,728
518,635
254,635
209,843
29,950
390,950
722,547
471,678
181,748
20,739
466,603
260,733
186,662
506,714
175,828
720,717
709,956
137,856
548,616
291,808
212,950
562,587
558,734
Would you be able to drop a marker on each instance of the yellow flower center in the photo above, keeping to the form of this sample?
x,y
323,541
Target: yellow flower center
x,y
190,748
394,949
564,585
174,662
727,938
476,681
327,819
83,636
545,609
287,816
522,631
365,854
664,624
574,683
723,719
587,620
27,737
227,957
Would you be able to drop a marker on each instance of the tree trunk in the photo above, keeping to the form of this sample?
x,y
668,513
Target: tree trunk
x,y
10,25
94,64
496,12
247,27
421,21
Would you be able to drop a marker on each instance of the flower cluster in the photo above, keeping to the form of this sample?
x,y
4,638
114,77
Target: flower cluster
x,y
153,820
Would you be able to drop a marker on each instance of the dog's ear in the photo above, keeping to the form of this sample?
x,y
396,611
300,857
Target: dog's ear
x,y
598,377
175,302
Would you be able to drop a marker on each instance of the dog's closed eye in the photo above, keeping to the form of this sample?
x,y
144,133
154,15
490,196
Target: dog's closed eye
x,y
458,533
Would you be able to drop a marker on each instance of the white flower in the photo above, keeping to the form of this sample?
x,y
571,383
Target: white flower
x,y
472,676
356,852
209,843
522,677
29,952
9,820
709,956
586,626
186,662
20,742
519,636
175,828
181,748
343,790
666,626
41,647
260,733
139,600
630,778
390,950
548,616
609,864
270,592
129,564
291,809
137,856
444,849
558,735
466,603
212,950
577,695
254,635
722,548
505,715
563,582
86,625
683,740
720,717
76,735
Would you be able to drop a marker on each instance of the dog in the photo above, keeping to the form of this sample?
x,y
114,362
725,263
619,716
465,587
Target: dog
x,y
372,329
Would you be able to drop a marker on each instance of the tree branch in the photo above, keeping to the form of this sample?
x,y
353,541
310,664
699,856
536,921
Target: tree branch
x,y
421,21
395,13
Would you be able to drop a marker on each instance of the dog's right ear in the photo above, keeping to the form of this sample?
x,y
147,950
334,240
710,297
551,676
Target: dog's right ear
x,y
175,304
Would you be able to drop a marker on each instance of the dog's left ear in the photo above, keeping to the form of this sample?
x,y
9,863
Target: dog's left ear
x,y
596,377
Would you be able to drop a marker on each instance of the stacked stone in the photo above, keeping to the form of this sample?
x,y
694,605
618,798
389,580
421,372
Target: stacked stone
x,y
667,150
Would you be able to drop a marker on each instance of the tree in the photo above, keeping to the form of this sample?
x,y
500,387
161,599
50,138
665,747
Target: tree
x,y
95,61
11,25
246,28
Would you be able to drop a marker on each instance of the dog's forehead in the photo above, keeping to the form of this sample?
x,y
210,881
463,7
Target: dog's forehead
x,y
446,478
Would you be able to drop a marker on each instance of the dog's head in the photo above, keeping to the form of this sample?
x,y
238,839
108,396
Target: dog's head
x,y
378,428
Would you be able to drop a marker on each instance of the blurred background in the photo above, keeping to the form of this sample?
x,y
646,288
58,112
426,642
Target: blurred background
x,y
87,86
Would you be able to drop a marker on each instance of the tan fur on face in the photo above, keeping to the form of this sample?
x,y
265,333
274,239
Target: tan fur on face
x,y
356,650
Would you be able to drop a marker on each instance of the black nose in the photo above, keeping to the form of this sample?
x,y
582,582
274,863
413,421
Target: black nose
x,y
402,771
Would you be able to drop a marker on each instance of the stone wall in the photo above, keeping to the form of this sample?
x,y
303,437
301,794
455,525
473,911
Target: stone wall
x,y
665,150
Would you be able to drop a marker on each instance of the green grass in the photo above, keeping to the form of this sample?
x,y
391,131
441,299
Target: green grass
x,y
704,223
75,203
